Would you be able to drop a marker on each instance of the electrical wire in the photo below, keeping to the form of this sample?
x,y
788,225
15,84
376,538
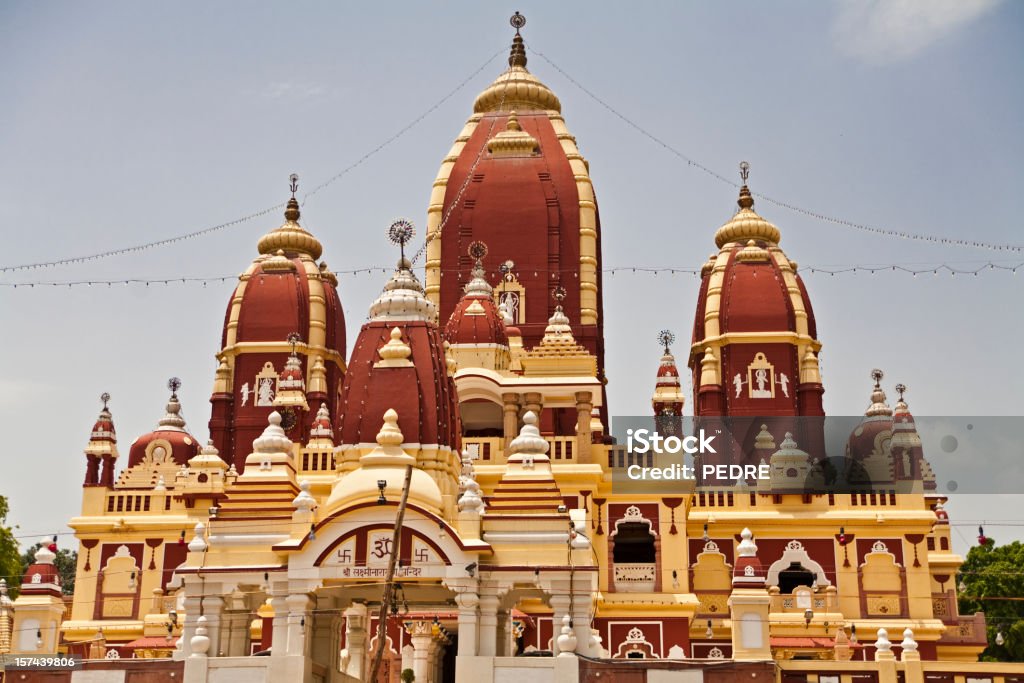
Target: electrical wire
x,y
262,212
977,244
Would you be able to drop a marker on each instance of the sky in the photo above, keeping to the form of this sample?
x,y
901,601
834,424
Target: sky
x,y
123,123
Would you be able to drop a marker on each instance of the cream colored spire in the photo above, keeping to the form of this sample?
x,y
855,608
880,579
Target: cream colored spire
x,y
403,298
517,88
878,406
290,236
746,224
172,419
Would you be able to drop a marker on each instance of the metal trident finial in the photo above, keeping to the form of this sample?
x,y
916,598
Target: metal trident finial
x,y
174,384
293,185
877,375
901,389
105,397
744,171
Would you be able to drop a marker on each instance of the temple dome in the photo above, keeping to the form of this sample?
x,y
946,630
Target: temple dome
x,y
476,320
168,442
284,302
414,383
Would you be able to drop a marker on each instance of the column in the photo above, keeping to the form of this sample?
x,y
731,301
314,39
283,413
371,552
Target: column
x,y
488,624
421,635
581,623
298,622
534,401
584,437
503,634
235,634
279,637
560,607
468,631
188,629
510,404
355,640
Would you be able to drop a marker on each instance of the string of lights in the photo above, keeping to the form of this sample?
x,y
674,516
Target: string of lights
x,y
262,212
817,215
665,524
432,235
865,269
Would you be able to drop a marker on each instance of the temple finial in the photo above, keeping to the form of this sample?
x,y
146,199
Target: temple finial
x,y
666,339
877,375
746,200
517,57
291,211
401,233
173,384
901,389
105,397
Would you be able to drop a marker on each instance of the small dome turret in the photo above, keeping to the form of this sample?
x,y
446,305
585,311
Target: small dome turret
x,y
170,441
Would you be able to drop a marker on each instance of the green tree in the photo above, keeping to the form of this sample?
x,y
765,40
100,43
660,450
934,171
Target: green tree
x,y
66,562
10,558
993,582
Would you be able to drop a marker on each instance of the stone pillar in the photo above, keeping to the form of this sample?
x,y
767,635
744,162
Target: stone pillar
x,y
188,628
468,621
584,436
533,401
559,607
298,622
503,634
355,640
235,634
421,635
510,405
488,624
885,658
279,636
407,657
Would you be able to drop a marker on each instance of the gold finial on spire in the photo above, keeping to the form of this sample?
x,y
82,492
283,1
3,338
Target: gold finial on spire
x,y
291,212
517,57
746,201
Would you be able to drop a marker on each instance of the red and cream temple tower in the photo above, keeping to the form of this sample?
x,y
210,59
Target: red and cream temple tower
x,y
276,534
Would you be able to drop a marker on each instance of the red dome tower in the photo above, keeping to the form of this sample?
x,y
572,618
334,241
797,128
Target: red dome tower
x,y
516,180
285,304
755,342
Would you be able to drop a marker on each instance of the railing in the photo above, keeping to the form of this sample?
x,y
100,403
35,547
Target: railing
x,y
487,450
634,577
561,448
966,630
317,461
490,450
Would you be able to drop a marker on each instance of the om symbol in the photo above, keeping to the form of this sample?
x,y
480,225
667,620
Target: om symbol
x,y
381,547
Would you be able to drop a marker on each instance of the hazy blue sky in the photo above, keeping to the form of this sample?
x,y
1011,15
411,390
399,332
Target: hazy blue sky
x,y
127,122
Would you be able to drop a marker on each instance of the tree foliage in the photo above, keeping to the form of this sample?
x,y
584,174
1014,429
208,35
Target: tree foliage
x,y
992,574
66,562
10,558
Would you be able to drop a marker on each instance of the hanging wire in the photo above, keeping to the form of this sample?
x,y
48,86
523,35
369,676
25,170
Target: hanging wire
x,y
977,244
929,269
262,212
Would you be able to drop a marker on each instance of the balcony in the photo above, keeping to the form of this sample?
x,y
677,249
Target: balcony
x,y
635,577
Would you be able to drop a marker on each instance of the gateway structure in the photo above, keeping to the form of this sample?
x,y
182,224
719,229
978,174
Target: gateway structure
x,y
275,537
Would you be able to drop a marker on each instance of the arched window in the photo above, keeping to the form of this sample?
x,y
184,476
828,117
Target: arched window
x,y
793,576
634,543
